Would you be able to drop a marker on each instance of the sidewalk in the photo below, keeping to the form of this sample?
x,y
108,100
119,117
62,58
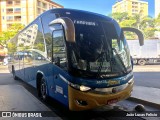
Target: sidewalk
x,y
16,98
146,94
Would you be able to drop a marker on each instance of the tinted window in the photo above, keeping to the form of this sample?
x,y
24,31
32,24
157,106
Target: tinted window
x,y
59,52
46,19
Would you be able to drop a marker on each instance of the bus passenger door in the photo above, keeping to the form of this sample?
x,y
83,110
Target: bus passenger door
x,y
59,60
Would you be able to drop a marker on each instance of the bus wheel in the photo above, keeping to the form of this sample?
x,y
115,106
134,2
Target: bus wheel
x,y
14,73
43,90
141,62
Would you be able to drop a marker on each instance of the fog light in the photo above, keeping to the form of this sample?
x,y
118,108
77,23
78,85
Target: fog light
x,y
81,102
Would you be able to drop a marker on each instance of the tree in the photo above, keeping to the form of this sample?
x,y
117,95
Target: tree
x,y
16,27
11,48
119,17
11,32
146,24
157,23
127,23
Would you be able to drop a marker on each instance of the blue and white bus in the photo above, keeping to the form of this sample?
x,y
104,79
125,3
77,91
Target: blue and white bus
x,y
79,58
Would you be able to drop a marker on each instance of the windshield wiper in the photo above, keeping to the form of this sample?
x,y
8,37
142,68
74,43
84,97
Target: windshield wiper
x,y
119,58
100,66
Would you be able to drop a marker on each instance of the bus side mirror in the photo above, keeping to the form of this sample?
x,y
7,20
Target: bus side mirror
x,y
68,26
138,32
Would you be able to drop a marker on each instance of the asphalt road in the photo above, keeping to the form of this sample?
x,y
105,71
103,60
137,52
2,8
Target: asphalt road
x,y
96,114
148,76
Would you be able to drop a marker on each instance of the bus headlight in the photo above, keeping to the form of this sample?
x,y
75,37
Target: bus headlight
x,y
84,88
80,87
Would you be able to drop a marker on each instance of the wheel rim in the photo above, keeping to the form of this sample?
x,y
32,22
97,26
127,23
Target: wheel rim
x,y
142,62
43,89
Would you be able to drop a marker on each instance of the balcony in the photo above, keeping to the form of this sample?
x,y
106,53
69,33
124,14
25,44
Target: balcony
x,y
17,12
9,11
9,20
9,5
17,20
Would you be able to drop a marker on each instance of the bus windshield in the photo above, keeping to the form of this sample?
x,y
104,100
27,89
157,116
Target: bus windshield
x,y
100,51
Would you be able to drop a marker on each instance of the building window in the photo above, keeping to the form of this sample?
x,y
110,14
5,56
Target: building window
x,y
3,26
9,2
9,25
17,18
53,7
30,9
134,6
9,18
17,2
50,6
45,5
3,17
10,10
134,3
39,3
23,17
38,11
17,10
23,10
31,18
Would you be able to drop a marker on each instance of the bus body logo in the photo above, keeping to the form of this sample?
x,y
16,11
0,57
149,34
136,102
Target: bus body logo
x,y
113,82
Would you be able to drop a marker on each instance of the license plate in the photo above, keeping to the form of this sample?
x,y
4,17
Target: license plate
x,y
111,101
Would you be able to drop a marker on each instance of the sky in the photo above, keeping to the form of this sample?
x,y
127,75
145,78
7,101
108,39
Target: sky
x,y
98,6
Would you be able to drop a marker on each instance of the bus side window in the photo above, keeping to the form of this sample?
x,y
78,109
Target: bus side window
x,y
59,51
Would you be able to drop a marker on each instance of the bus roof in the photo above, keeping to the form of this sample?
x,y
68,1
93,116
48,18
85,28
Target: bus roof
x,y
63,11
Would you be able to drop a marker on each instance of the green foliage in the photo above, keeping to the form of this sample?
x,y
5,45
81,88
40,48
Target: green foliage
x,y
39,46
11,48
127,23
149,32
11,32
119,16
146,24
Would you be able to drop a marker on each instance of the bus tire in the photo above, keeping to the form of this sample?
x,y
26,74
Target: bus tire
x,y
134,61
142,62
43,90
14,73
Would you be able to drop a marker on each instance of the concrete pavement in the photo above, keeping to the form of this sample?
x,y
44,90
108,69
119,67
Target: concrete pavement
x,y
144,94
147,95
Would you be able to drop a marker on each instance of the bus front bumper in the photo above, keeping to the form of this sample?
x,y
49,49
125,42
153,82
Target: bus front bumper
x,y
79,100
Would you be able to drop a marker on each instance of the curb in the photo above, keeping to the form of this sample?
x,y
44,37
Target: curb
x,y
144,102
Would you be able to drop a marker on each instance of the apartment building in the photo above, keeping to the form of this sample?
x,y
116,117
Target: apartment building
x,y
157,8
131,7
22,11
